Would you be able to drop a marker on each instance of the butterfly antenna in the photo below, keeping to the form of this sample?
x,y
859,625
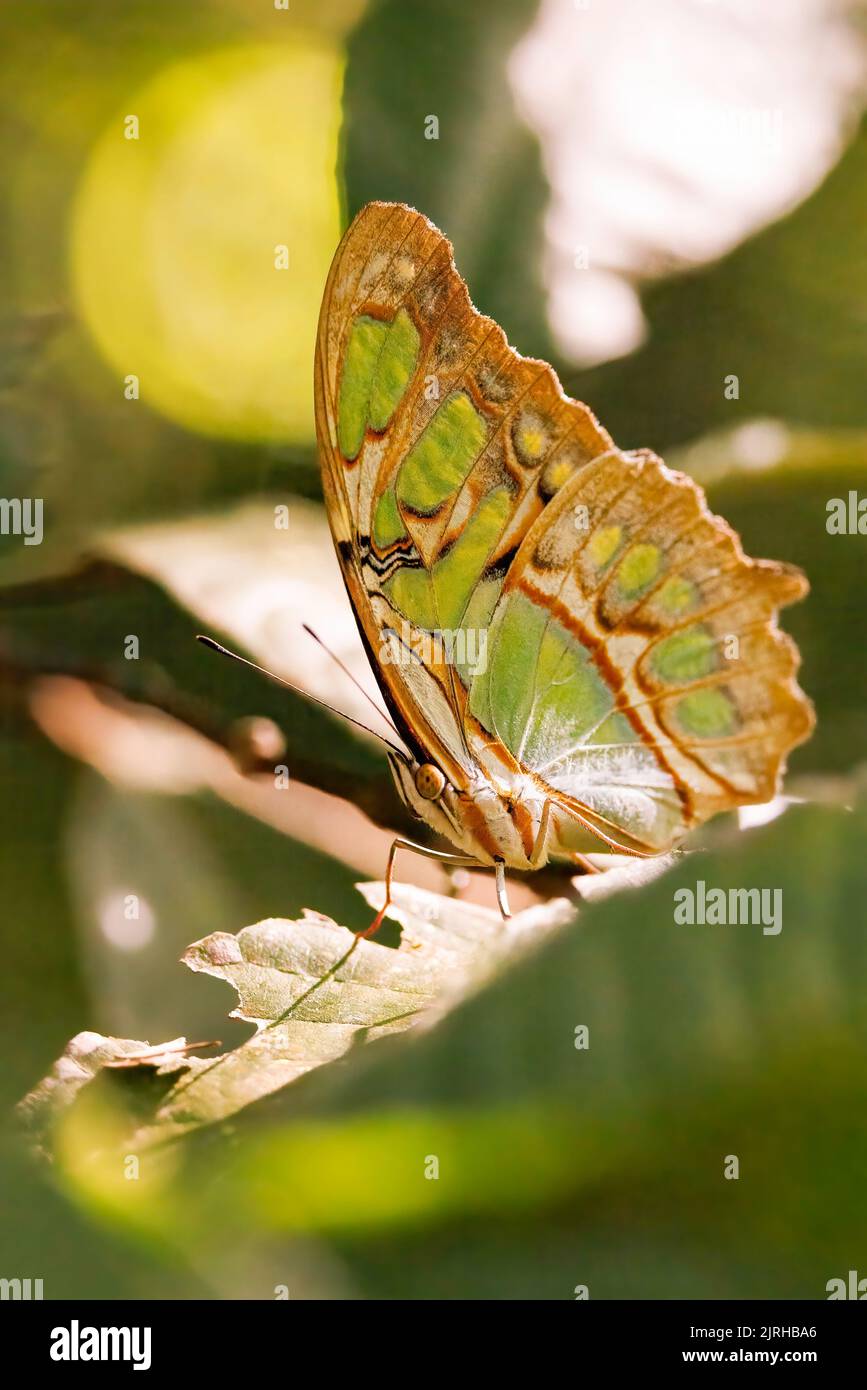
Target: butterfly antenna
x,y
346,671
279,680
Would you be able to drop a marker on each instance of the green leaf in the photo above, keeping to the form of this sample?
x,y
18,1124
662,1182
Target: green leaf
x,y
602,1166
313,990
84,1057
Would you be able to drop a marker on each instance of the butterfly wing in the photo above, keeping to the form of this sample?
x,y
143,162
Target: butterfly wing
x,y
634,662
583,599
417,421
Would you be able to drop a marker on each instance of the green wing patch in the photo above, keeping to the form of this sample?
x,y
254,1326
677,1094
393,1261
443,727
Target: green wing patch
x,y
379,361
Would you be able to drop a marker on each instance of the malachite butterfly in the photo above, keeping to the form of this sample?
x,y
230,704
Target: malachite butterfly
x,y
575,651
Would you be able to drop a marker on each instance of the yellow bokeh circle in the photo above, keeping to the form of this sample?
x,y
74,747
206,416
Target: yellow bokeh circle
x,y
178,264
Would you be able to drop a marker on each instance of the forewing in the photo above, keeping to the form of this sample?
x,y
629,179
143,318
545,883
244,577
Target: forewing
x,y
434,437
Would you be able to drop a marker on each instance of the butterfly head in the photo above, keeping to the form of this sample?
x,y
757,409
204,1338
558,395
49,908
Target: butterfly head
x,y
430,781
426,790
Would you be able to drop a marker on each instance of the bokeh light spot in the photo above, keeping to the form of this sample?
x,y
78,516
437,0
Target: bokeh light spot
x,y
175,237
127,921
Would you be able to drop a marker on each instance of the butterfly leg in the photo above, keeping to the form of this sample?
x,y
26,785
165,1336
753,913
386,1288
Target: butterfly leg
x,y
541,835
539,846
583,863
502,896
442,855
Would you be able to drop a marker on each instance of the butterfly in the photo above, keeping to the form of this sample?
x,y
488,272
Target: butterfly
x,y
574,650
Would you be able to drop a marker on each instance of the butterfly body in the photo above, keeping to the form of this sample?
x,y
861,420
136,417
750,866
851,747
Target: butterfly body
x,y
486,821
551,619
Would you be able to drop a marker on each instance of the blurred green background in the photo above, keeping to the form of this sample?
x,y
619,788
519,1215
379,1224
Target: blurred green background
x,y
657,204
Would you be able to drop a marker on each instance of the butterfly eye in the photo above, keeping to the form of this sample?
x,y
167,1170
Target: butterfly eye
x,y
429,781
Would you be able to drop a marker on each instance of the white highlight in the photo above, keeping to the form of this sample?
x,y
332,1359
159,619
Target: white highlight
x,y
670,131
121,931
